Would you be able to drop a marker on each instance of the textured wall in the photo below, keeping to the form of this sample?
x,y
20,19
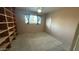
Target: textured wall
x,y
62,24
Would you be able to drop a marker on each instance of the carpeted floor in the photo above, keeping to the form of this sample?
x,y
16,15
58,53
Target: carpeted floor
x,y
36,42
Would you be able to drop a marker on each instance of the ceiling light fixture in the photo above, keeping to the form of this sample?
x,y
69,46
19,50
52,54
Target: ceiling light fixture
x,y
39,10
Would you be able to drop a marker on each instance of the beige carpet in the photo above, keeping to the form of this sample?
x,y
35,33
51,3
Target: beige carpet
x,y
36,42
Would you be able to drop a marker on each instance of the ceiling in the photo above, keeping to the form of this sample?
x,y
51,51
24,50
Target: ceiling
x,y
44,9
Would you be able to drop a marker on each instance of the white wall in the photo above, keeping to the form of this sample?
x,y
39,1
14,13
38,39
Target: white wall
x,y
22,27
62,24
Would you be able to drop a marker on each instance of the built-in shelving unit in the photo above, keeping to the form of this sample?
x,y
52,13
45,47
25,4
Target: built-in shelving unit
x,y
7,27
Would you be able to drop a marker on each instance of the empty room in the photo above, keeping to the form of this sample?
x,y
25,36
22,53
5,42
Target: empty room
x,y
39,29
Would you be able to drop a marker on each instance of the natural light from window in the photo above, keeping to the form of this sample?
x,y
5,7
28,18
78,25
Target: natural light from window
x,y
32,19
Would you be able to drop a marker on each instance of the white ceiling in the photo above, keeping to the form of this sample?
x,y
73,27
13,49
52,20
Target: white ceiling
x,y
44,9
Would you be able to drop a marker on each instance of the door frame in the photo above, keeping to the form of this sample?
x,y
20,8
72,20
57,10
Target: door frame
x,y
75,39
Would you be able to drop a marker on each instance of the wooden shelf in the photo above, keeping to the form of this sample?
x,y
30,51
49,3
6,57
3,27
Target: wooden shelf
x,y
11,38
2,14
10,22
3,39
6,15
1,10
11,27
10,11
9,16
3,22
4,46
11,33
7,27
1,31
15,34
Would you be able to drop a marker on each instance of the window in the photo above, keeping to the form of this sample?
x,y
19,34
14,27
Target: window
x,y
32,19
